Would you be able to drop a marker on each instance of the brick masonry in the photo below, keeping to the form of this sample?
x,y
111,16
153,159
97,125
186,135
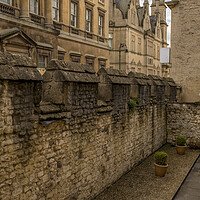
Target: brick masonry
x,y
72,134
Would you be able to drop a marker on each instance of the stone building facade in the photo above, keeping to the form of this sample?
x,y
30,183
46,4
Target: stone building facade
x,y
185,55
135,37
73,30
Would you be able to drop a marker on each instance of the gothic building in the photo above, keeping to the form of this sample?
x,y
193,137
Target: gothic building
x,y
135,36
73,30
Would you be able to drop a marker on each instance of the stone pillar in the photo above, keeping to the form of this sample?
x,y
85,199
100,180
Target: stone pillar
x,y
24,13
16,3
61,10
48,12
42,8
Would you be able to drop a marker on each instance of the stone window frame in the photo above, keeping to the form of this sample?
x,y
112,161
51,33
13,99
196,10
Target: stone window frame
x,y
139,45
44,50
89,6
101,27
45,60
44,53
35,7
75,56
90,59
55,8
133,42
101,62
61,53
76,3
110,40
101,2
88,20
150,47
150,61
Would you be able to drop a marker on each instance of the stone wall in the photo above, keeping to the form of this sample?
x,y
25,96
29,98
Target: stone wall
x,y
184,120
83,135
185,56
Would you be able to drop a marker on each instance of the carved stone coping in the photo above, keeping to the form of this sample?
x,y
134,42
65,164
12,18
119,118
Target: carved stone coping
x,y
18,67
114,76
139,78
62,71
172,4
157,80
170,82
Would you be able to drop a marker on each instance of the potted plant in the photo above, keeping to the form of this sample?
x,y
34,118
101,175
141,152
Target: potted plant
x,y
180,145
160,163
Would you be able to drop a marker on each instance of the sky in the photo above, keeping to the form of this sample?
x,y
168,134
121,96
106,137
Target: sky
x,y
168,21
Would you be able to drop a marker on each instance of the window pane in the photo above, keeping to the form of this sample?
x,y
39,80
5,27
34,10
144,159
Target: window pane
x,y
73,14
55,3
100,25
7,1
88,20
55,10
42,62
34,6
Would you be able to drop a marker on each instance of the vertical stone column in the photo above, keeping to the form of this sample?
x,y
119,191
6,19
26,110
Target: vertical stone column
x,y
18,3
61,10
41,7
15,3
24,5
48,12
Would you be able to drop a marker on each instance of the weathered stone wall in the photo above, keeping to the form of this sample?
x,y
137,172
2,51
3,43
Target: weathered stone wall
x,y
81,138
185,48
184,120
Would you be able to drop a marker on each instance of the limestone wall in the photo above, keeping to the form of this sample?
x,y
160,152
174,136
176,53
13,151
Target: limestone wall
x,y
184,120
185,48
82,136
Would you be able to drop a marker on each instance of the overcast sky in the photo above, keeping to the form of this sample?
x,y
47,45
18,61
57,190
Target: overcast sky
x,y
168,20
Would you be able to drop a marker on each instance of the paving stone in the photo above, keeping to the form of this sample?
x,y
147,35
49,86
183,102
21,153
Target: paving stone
x,y
190,189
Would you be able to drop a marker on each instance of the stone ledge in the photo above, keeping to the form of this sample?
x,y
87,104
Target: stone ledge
x,y
18,67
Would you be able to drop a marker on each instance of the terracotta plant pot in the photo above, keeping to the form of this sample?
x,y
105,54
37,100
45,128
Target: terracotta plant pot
x,y
180,149
160,170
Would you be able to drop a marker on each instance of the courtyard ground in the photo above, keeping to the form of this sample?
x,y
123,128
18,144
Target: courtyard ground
x,y
142,184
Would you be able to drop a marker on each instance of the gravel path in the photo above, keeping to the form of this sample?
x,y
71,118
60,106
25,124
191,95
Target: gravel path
x,y
142,184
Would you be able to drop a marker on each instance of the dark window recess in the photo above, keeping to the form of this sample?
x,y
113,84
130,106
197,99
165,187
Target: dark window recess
x,y
75,58
90,61
102,63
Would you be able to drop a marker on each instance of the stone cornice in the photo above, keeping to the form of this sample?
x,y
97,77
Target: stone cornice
x,y
172,4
